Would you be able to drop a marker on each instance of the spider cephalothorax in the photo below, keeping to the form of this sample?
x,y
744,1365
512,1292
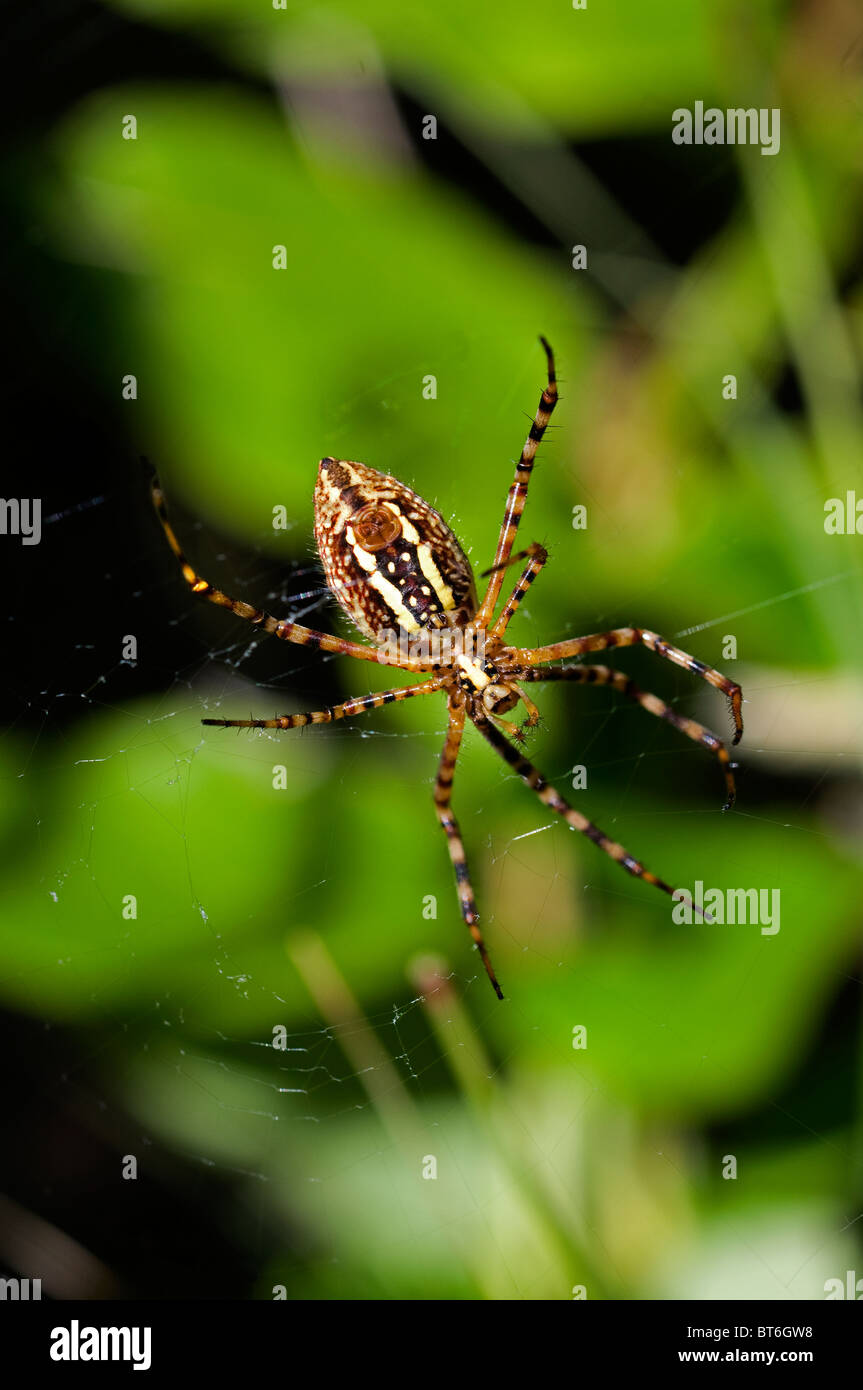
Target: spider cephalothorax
x,y
401,575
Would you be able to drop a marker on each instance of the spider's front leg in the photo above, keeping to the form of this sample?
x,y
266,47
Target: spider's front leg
x,y
455,844
517,495
536,556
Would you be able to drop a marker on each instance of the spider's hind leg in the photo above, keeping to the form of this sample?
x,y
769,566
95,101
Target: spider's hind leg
x,y
633,637
331,712
605,675
259,617
551,798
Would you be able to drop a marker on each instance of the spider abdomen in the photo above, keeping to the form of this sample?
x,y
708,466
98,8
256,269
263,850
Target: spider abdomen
x,y
389,558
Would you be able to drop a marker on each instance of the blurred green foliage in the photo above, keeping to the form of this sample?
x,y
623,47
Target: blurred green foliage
x,y
557,1167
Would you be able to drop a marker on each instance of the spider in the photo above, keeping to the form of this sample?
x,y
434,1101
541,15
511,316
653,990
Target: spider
x,y
401,575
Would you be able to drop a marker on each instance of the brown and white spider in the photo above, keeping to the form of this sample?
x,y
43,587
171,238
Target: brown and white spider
x,y
401,575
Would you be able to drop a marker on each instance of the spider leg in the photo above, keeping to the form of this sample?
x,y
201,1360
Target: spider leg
x,y
455,844
537,557
517,495
259,617
633,637
552,798
359,705
513,560
604,675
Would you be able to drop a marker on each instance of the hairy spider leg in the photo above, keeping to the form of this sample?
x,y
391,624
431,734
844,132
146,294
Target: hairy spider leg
x,y
605,675
359,705
538,556
455,844
259,617
550,797
517,495
632,637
